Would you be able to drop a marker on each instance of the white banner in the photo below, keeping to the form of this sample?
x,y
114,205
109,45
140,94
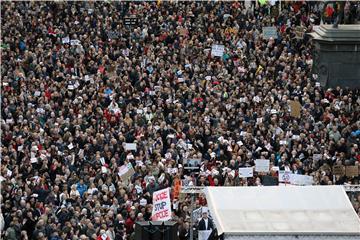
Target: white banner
x,y
295,179
246,172
262,165
161,205
217,50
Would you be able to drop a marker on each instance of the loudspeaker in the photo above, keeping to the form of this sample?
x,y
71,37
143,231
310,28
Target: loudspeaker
x,y
172,230
140,231
155,230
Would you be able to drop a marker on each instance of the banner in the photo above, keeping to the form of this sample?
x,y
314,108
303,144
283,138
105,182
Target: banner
x,y
262,165
246,172
217,50
161,205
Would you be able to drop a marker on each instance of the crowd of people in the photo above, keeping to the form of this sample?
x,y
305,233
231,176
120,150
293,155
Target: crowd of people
x,y
79,82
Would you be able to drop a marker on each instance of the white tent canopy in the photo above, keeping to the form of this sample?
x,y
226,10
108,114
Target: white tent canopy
x,y
282,210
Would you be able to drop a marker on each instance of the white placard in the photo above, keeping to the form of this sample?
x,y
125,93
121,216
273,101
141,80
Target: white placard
x,y
161,205
246,172
204,234
130,146
65,40
262,165
217,50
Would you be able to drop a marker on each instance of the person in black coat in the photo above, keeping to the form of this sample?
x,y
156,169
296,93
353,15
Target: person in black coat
x,y
205,223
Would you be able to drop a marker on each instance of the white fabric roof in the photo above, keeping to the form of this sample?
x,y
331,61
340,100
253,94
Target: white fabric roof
x,y
282,210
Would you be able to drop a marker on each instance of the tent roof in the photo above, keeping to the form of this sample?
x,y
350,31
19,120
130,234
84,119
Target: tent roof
x,y
282,210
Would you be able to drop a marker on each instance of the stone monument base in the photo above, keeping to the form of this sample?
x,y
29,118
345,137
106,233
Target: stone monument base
x,y
336,57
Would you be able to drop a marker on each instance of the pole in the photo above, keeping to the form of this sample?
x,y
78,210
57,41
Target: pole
x,y
191,216
279,6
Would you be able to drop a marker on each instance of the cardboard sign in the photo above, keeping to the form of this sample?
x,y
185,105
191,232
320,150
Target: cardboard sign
x,y
126,172
269,32
339,170
161,205
130,146
183,32
246,172
295,108
217,50
352,171
262,165
299,31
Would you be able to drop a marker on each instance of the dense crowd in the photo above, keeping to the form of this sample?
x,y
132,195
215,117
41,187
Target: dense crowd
x,y
77,84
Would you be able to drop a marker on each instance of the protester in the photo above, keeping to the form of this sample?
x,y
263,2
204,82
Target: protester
x,y
79,81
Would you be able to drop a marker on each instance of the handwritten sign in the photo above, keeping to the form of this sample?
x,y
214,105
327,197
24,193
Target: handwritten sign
x,y
130,146
126,171
269,32
246,172
161,205
217,50
262,165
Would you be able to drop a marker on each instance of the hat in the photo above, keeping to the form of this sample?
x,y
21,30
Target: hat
x,y
204,210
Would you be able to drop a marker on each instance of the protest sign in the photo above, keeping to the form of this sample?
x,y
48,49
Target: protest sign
x,y
65,40
204,234
299,32
317,157
294,179
284,176
269,32
131,20
161,205
352,171
112,34
197,214
217,50
262,165
192,163
338,170
130,146
246,172
126,171
302,180
295,108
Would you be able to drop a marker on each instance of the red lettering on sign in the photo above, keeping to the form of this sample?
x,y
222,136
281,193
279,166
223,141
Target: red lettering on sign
x,y
161,214
161,196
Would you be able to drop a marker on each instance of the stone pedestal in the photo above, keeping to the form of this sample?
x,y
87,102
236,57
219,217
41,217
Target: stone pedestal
x,y
337,55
